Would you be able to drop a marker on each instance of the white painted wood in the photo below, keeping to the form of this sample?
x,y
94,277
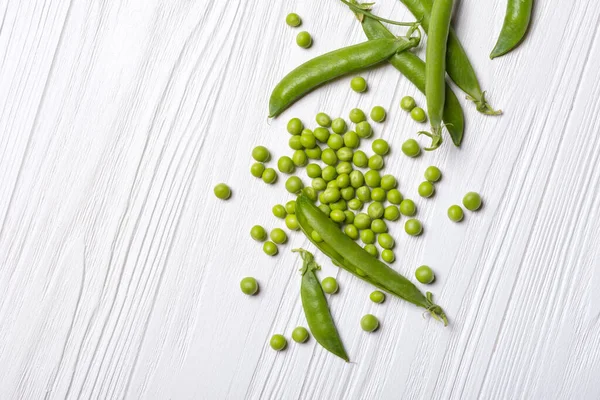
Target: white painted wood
x,y
119,269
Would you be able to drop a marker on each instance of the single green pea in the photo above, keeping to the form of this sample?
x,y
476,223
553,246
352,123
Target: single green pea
x,y
279,211
300,334
358,84
313,170
388,256
343,181
379,226
345,154
338,126
413,227
424,274
378,114
388,182
304,40
433,174
323,120
291,221
285,165
325,209
367,236
344,167
222,191
270,248
372,250
408,207
329,285
295,143
360,159
364,194
337,216
315,235
357,115
257,169
335,141
294,184
362,221
372,178
290,207
363,129
329,157
472,201
261,154
394,196
295,126
299,158
351,231
278,236
411,148
314,153
339,205
293,20
369,323
351,140
331,195
249,286
310,192
391,213
308,140
349,217
455,213
418,114
378,194
407,103
380,147
426,189
258,233
386,241
377,296
319,184
333,184
329,173
278,342
357,179
355,204
376,162
322,134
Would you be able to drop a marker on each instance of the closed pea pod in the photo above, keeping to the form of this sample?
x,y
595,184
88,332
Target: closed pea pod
x,y
516,22
316,309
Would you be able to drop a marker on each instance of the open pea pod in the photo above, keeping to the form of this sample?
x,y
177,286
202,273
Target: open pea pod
x,y
347,254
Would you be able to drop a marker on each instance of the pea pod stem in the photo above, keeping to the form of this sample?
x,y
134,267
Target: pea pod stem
x,y
514,28
347,254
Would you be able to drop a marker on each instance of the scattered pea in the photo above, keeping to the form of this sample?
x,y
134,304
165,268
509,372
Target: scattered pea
x,y
413,227
261,154
322,134
372,250
375,162
408,207
313,170
295,126
295,143
222,191
407,103
294,184
472,201
372,178
433,174
335,141
344,167
314,153
345,154
299,158
291,221
377,296
357,179
300,334
307,139
279,211
455,213
249,286
357,115
380,147
337,216
379,226
329,157
426,189
411,148
386,241
391,213
378,114
339,205
329,285
338,126
329,173
363,193
418,114
304,40
360,159
394,196
351,231
355,204
378,194
310,193
424,274
257,169
325,209
319,184
375,210
258,233
358,84
343,181
323,120
349,217
278,342
388,256
363,129
362,221
369,323
293,20
290,207
270,248
278,236
367,236
285,165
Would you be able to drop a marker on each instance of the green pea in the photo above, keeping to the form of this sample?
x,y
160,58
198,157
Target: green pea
x,y
364,194
331,195
388,182
369,323
261,154
329,157
391,213
295,126
345,154
335,141
386,241
319,184
372,178
322,134
455,213
355,204
357,179
388,256
424,274
362,221
380,147
333,184
338,126
411,148
407,103
343,181
337,216
351,140
351,231
295,143
329,173
294,184
314,153
313,170
372,250
394,196
310,192
357,115
222,191
375,162
433,174
378,114
349,217
308,139
426,189
257,169
315,235
325,209
378,194
285,165
358,84
408,207
270,248
278,236
377,296
249,286
367,236
339,205
472,201
300,334
290,207
323,120
291,221
360,159
279,211
413,227
278,342
418,114
363,129
293,20
379,226
344,167
258,233
329,285
304,40
347,193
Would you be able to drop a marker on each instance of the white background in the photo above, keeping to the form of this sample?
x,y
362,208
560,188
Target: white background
x,y
119,269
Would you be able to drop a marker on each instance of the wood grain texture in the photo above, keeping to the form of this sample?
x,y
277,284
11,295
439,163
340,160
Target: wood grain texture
x,y
119,269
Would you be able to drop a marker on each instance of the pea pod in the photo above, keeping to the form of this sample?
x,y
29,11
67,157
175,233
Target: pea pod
x,y
334,64
348,255
516,22
316,310
458,66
